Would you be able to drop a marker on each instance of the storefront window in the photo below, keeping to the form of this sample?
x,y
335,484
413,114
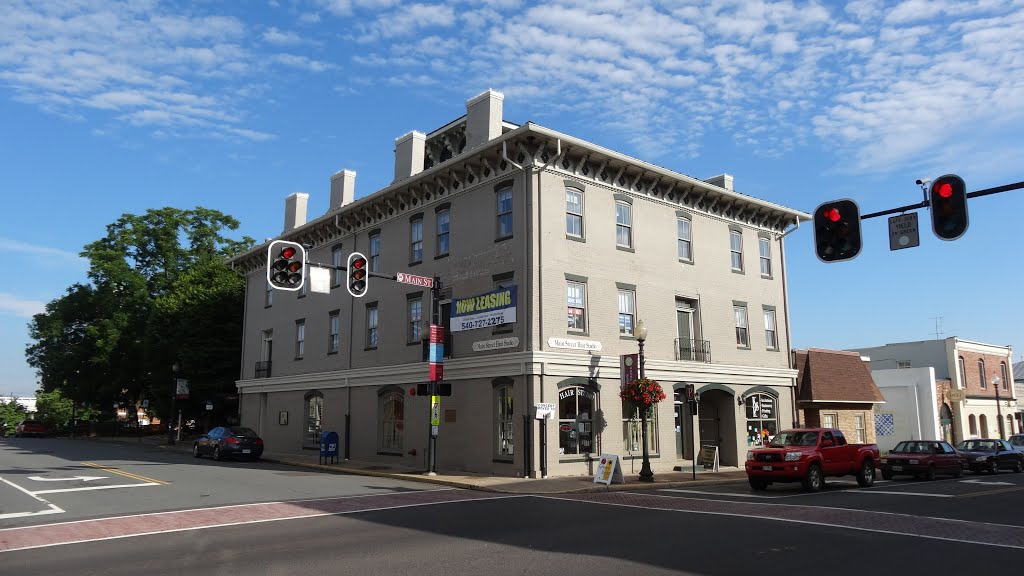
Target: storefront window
x,y
503,396
576,406
762,418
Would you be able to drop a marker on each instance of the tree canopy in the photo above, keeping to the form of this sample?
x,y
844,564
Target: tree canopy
x,y
158,292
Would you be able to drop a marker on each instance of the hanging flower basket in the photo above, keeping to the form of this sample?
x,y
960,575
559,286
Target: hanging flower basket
x,y
643,392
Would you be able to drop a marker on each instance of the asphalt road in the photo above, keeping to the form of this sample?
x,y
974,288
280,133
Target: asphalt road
x,y
342,525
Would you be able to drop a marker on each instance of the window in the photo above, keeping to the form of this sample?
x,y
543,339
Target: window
x,y
371,325
770,338
504,280
337,259
828,420
505,213
963,373
300,338
577,300
859,430
314,419
626,312
983,424
416,240
392,421
683,234
623,225
736,250
574,212
334,328
766,256
981,374
375,252
740,312
903,364
576,407
632,428
504,421
415,318
1003,375
762,418
442,233
268,299
972,425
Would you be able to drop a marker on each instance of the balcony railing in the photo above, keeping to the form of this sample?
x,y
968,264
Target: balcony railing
x,y
693,350
263,369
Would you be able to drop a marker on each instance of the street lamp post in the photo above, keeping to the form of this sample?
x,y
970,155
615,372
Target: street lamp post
x,y
646,474
174,396
999,411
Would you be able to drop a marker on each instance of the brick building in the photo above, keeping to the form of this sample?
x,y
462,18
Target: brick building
x,y
835,390
591,241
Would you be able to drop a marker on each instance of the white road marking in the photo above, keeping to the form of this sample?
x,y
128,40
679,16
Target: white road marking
x,y
55,491
82,478
987,482
899,493
51,509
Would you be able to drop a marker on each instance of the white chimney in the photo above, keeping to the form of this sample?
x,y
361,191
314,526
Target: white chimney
x,y
409,150
722,181
295,210
343,189
483,118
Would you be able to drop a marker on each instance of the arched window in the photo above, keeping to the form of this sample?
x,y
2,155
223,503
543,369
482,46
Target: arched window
x,y
314,419
983,426
981,374
1009,424
973,425
1004,376
392,420
963,372
576,408
762,416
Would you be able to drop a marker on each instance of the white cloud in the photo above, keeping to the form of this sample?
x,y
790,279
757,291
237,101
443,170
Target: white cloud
x,y
21,307
302,62
281,38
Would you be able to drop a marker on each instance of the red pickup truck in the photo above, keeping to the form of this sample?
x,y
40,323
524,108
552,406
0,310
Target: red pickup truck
x,y
808,455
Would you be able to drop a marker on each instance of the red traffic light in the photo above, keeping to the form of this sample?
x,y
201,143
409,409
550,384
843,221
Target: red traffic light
x,y
837,234
287,252
358,278
832,214
948,203
286,262
944,189
358,263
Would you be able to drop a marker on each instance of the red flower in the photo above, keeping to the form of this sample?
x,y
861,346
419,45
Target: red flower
x,y
643,392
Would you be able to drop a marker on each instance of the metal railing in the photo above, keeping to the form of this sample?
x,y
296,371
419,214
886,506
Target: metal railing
x,y
263,369
693,350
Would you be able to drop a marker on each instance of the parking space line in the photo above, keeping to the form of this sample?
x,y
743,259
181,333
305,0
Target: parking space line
x,y
870,491
83,488
51,509
987,492
123,473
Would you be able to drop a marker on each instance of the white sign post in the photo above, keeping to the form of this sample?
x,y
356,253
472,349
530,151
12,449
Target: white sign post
x,y
544,410
608,470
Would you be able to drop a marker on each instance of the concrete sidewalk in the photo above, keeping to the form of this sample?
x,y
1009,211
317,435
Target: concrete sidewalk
x,y
556,485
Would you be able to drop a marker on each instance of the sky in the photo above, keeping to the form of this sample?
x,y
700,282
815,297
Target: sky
x,y
110,107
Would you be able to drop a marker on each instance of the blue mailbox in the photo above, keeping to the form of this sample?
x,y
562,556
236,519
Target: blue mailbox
x,y
328,446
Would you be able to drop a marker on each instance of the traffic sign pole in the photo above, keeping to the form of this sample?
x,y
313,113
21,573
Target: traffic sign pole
x,y
436,359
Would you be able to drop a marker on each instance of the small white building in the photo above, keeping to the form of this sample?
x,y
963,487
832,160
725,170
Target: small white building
x,y
909,412
28,403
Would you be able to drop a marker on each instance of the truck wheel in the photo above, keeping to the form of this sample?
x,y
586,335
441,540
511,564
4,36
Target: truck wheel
x,y
813,481
758,483
866,476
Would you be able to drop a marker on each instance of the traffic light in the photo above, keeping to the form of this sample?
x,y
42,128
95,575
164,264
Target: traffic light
x,y
286,265
837,230
358,278
948,200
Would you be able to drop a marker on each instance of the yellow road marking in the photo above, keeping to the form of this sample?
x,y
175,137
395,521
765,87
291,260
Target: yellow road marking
x,y
123,473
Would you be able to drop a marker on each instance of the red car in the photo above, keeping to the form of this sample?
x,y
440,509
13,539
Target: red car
x,y
808,455
30,428
922,459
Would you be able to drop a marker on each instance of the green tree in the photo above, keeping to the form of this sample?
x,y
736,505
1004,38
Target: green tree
x,y
97,344
53,408
10,414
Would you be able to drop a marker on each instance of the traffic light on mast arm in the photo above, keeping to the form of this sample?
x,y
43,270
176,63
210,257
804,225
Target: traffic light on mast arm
x,y
358,278
948,200
837,230
286,265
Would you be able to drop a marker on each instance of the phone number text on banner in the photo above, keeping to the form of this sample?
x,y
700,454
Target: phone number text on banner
x,y
490,309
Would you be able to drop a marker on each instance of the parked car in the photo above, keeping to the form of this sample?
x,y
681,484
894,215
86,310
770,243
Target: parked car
x,y
808,455
922,458
228,442
1017,441
30,428
991,455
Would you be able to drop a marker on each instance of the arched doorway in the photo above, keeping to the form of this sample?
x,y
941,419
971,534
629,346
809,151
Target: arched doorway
x,y
716,415
946,423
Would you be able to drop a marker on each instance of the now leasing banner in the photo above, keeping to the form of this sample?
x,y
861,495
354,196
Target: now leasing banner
x,y
484,311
